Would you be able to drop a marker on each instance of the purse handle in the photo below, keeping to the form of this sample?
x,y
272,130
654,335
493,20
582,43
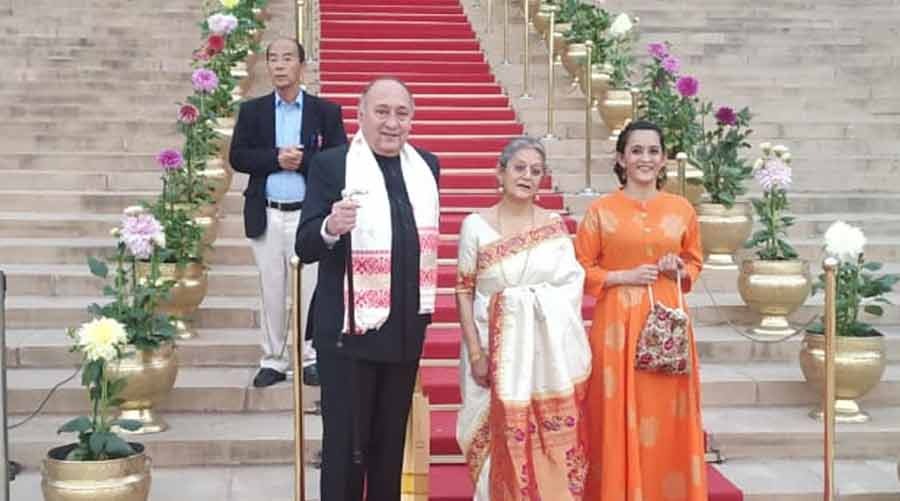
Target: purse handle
x,y
680,293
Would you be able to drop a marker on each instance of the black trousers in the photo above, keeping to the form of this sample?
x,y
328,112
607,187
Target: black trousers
x,y
383,394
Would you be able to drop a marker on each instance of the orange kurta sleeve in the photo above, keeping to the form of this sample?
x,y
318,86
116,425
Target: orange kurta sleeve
x,y
691,253
588,251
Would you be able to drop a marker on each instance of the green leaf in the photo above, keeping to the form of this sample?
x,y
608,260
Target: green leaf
x,y
874,309
98,442
98,268
816,328
91,372
80,424
116,447
872,266
79,454
127,424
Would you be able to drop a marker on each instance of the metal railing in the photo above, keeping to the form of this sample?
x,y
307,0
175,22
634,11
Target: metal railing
x,y
4,449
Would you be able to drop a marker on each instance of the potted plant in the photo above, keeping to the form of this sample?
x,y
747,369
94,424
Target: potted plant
x,y
725,222
588,23
669,99
859,354
100,465
616,106
776,283
147,364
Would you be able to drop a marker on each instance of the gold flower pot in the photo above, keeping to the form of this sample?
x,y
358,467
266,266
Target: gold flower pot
x,y
150,376
574,60
859,363
207,218
218,176
600,79
224,128
774,290
694,178
560,44
541,19
125,479
188,291
723,231
615,109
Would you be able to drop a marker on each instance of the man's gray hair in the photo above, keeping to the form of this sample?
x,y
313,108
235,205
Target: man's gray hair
x,y
386,78
518,144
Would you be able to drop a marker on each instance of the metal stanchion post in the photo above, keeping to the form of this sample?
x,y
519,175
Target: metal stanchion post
x,y
506,32
553,9
681,159
301,17
588,120
4,450
490,16
830,265
299,437
311,43
525,61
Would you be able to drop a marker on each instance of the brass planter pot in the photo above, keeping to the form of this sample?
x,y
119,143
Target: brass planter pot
x,y
560,44
859,364
218,176
207,218
600,78
150,376
615,108
541,19
224,128
694,176
574,60
774,290
723,231
184,297
125,479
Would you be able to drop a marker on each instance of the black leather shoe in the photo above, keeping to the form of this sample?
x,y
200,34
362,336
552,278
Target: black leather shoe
x,y
268,377
311,375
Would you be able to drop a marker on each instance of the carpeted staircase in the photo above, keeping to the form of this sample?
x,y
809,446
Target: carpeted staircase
x,y
463,116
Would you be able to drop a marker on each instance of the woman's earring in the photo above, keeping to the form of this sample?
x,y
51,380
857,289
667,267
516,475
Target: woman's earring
x,y
500,189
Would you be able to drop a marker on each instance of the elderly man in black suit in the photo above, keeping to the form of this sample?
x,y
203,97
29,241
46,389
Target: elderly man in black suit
x,y
275,138
372,208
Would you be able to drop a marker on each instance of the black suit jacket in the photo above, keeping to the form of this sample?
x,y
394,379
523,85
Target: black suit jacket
x,y
392,342
253,149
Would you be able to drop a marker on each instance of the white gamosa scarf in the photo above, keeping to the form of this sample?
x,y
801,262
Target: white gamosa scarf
x,y
371,238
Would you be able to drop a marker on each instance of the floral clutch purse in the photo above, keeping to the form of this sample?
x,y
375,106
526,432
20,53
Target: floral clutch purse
x,y
664,345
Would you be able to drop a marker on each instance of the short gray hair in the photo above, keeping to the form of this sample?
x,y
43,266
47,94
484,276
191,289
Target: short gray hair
x,y
518,144
386,78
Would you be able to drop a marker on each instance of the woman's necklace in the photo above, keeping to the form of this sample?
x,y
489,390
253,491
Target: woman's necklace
x,y
527,253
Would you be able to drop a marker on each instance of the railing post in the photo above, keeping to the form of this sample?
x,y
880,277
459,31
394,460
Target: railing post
x,y
553,9
830,265
4,449
525,61
296,339
588,120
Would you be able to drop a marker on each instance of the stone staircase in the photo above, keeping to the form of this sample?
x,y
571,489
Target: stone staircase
x,y
89,104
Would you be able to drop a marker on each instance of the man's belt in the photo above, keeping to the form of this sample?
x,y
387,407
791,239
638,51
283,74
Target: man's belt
x,y
285,206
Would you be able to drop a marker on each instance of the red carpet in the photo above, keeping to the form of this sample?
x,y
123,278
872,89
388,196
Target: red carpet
x,y
463,116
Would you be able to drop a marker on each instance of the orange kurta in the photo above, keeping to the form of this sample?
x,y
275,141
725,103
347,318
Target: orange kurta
x,y
645,433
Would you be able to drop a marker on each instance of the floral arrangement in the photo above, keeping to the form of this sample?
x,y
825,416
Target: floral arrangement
x,y
135,292
858,288
101,342
670,100
622,34
590,23
773,173
718,152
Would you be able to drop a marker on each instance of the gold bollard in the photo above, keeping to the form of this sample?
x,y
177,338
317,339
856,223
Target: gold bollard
x,y
299,456
830,265
588,121
301,20
552,9
506,33
490,16
681,159
310,44
525,62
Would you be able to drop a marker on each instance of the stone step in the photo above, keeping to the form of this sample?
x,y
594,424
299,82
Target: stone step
x,y
197,390
215,439
756,432
777,479
217,389
41,312
251,482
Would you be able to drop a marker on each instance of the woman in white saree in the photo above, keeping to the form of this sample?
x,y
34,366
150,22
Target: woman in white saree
x,y
519,289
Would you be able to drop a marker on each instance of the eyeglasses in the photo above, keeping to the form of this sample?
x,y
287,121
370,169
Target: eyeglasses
x,y
536,170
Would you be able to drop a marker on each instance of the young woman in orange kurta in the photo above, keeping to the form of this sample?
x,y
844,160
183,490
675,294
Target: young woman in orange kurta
x,y
645,433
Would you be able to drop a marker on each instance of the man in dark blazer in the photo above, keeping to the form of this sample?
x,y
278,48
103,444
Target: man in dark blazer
x,y
274,139
367,380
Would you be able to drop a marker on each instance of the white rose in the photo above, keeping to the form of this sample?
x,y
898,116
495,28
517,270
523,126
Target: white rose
x,y
844,242
621,25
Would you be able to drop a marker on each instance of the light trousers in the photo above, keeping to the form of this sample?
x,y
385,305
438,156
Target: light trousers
x,y
273,251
